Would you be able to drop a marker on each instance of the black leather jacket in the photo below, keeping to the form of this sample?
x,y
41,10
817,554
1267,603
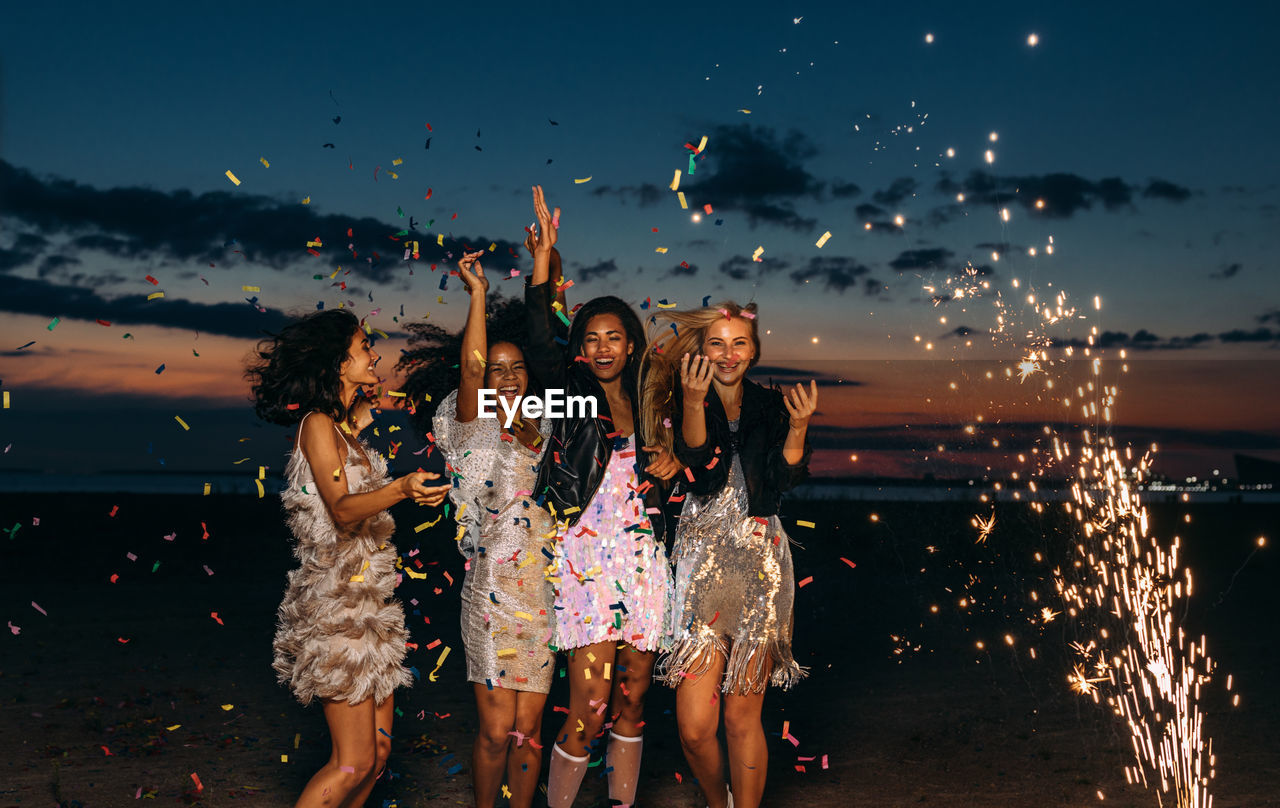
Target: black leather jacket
x,y
573,462
762,430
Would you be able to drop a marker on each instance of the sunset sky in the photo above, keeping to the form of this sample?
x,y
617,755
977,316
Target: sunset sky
x,y
1129,157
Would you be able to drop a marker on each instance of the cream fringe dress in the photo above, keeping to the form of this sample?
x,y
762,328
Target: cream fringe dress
x,y
340,636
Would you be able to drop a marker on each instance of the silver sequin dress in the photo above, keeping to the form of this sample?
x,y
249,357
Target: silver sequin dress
x,y
340,635
507,614
734,592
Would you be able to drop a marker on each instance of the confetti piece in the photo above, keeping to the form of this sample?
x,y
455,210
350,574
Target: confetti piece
x,y
803,523
261,491
264,162
439,662
707,209
662,250
675,181
306,200
152,281
160,369
745,111
251,288
397,161
228,707
702,144
214,615
684,203
823,240
755,256
850,563
6,400
175,726
182,423
802,584
581,181
53,323
234,181
36,606
155,295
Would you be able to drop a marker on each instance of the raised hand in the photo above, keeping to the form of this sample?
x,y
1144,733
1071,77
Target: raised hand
x,y
472,273
695,378
415,485
801,404
664,465
547,232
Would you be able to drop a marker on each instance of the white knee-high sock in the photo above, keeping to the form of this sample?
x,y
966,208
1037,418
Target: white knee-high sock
x,y
623,757
565,777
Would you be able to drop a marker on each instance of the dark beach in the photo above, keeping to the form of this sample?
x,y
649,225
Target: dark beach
x,y
133,689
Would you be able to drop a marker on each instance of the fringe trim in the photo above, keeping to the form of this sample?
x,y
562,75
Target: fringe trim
x,y
744,670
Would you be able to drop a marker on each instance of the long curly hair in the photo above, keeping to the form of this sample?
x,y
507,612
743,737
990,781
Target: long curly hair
x,y
432,358
672,334
299,370
631,324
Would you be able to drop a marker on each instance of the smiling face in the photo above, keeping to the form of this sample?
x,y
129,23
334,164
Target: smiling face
x,y
357,368
606,347
728,344
506,371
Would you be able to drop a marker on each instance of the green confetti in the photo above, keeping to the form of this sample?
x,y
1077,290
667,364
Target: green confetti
x,y
54,323
155,566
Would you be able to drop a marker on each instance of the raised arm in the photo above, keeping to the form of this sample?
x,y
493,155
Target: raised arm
x,y
545,357
474,337
544,240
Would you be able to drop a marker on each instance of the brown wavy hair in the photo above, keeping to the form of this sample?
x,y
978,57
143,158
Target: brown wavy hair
x,y
672,334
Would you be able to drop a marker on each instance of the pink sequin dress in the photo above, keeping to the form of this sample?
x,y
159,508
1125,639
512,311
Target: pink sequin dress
x,y
611,577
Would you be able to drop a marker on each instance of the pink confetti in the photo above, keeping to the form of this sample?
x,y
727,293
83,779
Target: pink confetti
x,y
206,569
36,606
15,630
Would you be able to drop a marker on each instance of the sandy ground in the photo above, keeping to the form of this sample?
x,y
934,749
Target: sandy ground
x,y
90,720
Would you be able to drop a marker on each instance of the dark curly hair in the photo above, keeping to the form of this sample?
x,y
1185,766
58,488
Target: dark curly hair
x,y
609,304
299,370
432,359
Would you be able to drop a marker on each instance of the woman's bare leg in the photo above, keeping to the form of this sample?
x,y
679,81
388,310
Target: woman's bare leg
x,y
698,720
748,750
352,760
497,713
524,755
383,714
588,696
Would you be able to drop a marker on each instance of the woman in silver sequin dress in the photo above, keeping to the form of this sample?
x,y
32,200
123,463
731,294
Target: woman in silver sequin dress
x,y
506,599
340,636
743,445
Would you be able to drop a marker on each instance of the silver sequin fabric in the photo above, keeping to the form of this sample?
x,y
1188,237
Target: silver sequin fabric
x,y
734,592
507,614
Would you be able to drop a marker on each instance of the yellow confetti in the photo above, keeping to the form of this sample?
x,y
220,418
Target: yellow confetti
x,y
306,200
232,177
182,423
155,295
251,288
755,256
667,305
284,758
397,161
207,488
261,491
493,246
479,356
684,203
417,576
584,179
393,175
702,144
228,707
264,162
381,333
823,240
745,111
6,399
357,579
675,181
662,250
175,726
443,656
803,523
607,666
591,657
586,673
440,239
524,615
297,739
506,652
568,511
262,472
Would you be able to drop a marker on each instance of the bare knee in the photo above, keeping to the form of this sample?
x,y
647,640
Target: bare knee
x,y
354,770
381,752
741,720
697,732
495,733
529,726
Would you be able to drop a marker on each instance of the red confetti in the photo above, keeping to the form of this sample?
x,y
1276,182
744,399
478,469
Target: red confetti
x,y
196,778
153,281
847,561
214,615
114,510
805,582
104,322
428,196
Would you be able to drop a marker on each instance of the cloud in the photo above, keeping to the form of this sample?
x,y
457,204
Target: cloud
x,y
1163,189
598,270
844,190
740,268
142,223
1272,316
1229,271
868,211
1238,335
1141,340
921,259
1061,194
645,194
753,170
898,190
31,296
780,375
836,274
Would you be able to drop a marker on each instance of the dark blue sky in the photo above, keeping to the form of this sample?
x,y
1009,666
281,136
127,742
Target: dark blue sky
x,y
1148,131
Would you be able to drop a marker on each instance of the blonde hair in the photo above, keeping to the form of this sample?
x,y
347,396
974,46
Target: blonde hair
x,y
672,334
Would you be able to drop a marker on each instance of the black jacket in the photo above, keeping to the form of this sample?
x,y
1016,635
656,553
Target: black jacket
x,y
762,430
574,460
